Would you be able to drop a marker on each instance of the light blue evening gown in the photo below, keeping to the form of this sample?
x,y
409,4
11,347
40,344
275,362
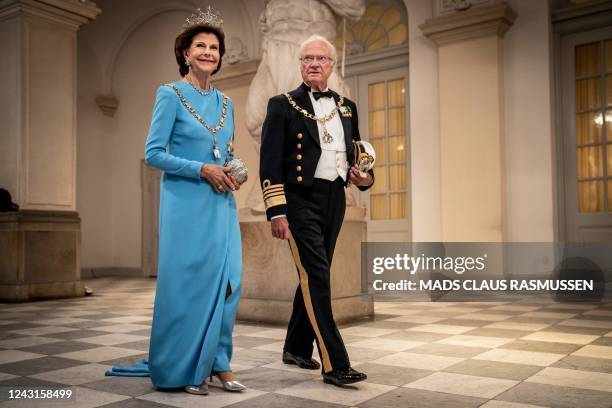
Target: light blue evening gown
x,y
199,245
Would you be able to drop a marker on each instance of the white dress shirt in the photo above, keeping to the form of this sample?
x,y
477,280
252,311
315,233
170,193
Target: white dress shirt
x,y
333,161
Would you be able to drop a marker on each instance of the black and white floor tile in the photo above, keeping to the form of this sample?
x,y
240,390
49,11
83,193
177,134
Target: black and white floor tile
x,y
535,353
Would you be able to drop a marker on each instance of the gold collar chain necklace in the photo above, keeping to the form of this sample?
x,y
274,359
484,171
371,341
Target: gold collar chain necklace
x,y
213,130
327,137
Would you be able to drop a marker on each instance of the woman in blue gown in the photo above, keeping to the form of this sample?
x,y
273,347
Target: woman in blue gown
x,y
200,257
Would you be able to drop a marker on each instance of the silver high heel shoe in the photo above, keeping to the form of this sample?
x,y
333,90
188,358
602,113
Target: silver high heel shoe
x,y
231,386
201,389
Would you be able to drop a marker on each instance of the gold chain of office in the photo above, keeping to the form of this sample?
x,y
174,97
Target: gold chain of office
x,y
327,137
211,129
322,119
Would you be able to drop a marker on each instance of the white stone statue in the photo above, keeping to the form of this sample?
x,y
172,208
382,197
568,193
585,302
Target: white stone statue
x,y
284,25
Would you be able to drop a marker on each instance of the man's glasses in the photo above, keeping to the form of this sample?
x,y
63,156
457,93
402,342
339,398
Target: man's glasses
x,y
309,59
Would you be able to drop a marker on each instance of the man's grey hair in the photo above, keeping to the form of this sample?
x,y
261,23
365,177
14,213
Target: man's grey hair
x,y
318,38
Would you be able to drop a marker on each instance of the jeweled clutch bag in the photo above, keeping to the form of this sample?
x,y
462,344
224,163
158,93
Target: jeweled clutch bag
x,y
238,169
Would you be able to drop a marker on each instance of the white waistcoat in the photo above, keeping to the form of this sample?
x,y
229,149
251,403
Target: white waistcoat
x,y
333,160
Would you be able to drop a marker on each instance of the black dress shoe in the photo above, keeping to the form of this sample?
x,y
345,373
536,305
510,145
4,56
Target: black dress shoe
x,y
343,376
307,363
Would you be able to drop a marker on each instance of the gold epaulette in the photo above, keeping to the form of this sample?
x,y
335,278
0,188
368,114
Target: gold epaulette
x,y
273,194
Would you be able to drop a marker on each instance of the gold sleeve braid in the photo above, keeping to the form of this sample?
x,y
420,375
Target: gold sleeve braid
x,y
273,194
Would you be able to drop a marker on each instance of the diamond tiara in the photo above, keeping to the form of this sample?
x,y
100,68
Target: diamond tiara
x,y
207,17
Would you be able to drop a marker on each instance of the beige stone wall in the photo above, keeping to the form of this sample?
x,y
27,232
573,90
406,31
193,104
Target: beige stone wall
x,y
10,106
138,72
526,162
38,155
530,178
40,245
471,125
424,127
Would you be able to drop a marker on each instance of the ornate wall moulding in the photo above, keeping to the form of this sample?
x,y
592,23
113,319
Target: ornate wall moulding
x,y
108,104
476,22
236,51
451,6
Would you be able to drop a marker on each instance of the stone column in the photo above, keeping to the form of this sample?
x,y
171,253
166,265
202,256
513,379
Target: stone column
x,y
470,50
39,245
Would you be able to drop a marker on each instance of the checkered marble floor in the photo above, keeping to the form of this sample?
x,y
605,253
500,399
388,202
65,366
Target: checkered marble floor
x,y
528,353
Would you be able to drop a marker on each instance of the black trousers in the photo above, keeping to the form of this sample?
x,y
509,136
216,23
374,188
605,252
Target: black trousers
x,y
315,215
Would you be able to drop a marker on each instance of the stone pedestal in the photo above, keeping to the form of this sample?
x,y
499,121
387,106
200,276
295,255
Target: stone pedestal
x,y
270,277
39,255
39,246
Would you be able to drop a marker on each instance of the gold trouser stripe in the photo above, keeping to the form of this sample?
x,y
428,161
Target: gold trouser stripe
x,y
308,303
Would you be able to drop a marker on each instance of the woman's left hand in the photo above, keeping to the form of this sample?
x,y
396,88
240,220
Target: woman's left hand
x,y
219,178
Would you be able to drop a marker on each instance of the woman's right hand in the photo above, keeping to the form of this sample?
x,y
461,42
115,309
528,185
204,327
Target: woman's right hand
x,y
219,177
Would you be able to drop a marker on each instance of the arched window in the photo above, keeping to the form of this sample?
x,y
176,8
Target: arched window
x,y
382,25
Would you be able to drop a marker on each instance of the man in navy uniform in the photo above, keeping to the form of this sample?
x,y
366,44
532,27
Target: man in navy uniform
x,y
307,141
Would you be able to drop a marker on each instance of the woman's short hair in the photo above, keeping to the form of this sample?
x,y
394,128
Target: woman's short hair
x,y
185,38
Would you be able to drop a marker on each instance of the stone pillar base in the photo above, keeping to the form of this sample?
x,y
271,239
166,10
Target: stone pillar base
x,y
276,311
57,290
40,255
270,277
